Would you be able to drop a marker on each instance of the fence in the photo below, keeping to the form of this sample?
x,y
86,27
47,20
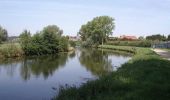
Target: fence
x,y
162,45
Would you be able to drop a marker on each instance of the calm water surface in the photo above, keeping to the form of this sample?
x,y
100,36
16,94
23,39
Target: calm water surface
x,y
39,78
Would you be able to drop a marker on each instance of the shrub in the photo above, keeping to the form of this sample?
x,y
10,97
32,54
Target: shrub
x,y
48,41
10,50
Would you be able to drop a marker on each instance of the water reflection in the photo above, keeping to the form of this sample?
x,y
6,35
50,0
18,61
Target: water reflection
x,y
44,66
36,66
97,61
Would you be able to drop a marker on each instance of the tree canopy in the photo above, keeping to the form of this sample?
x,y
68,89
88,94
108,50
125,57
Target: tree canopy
x,y
96,31
3,34
157,37
168,38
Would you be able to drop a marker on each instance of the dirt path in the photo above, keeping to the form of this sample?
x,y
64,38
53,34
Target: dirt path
x,y
163,53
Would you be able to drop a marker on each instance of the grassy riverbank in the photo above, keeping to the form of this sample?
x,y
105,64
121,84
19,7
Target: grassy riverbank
x,y
10,50
13,50
145,77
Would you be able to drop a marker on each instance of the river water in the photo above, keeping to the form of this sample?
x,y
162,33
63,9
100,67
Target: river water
x,y
39,78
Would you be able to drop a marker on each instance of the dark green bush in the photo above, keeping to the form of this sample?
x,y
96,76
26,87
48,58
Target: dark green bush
x,y
48,41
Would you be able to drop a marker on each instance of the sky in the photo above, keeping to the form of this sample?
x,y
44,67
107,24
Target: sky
x,y
132,17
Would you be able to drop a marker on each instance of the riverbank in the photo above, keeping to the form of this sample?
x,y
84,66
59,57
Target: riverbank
x,y
144,77
10,50
14,50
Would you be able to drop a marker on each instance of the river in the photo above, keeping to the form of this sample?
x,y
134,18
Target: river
x,y
39,78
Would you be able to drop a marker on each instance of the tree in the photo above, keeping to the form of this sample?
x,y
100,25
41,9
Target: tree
x,y
168,38
157,37
3,34
52,30
25,41
97,31
141,38
51,37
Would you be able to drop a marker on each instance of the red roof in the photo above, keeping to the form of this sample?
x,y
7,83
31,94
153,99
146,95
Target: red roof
x,y
128,37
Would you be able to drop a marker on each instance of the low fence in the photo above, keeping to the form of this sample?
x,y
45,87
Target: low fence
x,y
162,45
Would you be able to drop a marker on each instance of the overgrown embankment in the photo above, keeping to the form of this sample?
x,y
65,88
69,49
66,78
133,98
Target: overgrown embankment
x,y
145,77
10,50
119,48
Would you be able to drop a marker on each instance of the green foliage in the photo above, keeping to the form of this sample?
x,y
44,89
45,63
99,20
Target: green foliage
x,y
3,34
25,40
63,44
141,43
144,77
72,43
168,38
10,50
141,38
96,32
157,37
48,41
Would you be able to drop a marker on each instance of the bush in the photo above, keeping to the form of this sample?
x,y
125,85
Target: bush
x,y
10,50
48,41
63,44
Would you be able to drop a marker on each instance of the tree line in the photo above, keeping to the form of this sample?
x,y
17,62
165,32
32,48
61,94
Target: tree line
x,y
158,37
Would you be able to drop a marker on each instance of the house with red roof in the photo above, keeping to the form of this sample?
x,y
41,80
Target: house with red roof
x,y
125,37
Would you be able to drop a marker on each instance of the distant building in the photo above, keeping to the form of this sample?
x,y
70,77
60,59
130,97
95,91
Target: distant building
x,y
125,37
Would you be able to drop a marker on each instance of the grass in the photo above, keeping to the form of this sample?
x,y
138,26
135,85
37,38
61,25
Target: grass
x,y
145,77
10,50
167,49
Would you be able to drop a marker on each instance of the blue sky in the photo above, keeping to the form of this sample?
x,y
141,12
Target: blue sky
x,y
132,17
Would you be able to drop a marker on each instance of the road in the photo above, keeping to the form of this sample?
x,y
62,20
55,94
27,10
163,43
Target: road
x,y
163,53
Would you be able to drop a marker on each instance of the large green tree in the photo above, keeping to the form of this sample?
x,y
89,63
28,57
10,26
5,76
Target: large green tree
x,y
3,34
97,31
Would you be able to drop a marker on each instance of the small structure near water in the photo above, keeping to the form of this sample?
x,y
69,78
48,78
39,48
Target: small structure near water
x,y
162,45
